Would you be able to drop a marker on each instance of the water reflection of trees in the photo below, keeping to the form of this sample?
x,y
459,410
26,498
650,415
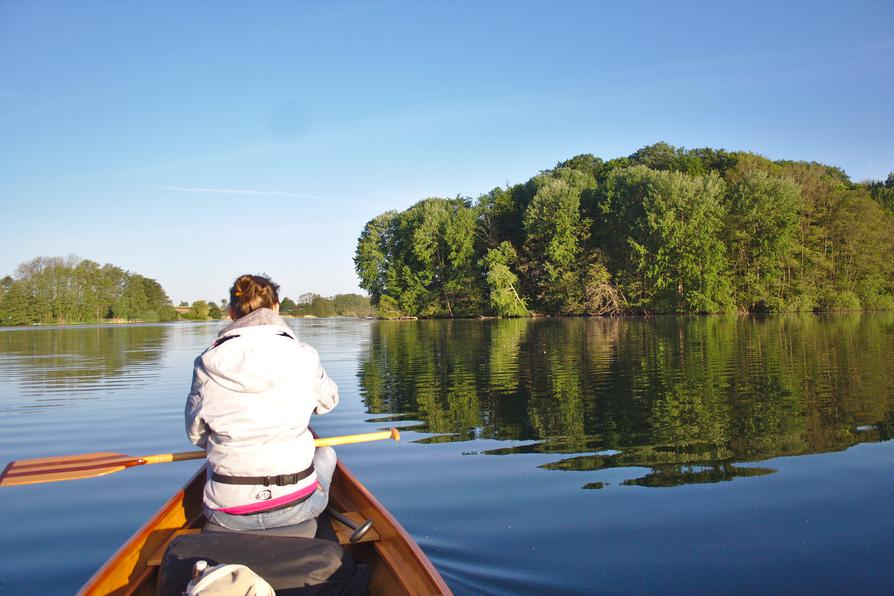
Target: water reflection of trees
x,y
686,397
79,360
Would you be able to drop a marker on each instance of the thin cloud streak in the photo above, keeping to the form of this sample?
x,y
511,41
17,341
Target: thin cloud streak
x,y
258,193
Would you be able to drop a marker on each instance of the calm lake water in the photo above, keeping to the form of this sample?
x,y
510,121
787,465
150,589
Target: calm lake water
x,y
678,455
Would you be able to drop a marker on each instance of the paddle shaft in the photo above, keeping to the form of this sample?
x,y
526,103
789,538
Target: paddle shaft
x,y
163,458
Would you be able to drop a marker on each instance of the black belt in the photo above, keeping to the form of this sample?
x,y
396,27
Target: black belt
x,y
278,480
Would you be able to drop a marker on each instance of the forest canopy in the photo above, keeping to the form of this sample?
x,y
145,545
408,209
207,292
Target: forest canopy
x,y
665,229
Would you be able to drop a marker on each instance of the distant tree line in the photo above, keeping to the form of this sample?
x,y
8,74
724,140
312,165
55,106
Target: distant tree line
x,y
73,290
59,290
340,305
663,230
307,305
203,310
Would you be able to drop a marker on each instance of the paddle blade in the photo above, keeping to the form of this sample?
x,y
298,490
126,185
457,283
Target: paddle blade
x,y
70,467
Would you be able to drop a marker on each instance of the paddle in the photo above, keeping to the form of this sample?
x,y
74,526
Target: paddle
x,y
90,465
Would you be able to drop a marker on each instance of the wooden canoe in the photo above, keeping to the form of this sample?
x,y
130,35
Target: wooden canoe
x,y
397,564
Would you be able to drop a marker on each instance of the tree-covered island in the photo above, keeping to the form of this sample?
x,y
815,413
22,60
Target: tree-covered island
x,y
663,230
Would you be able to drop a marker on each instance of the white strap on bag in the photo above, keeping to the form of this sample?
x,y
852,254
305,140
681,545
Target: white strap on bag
x,y
229,580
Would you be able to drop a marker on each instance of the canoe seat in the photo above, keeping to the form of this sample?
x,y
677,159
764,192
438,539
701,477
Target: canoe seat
x,y
306,529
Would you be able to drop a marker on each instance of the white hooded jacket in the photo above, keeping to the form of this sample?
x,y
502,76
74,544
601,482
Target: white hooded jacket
x,y
253,392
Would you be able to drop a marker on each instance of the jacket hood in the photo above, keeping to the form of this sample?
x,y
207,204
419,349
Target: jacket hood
x,y
262,316
252,354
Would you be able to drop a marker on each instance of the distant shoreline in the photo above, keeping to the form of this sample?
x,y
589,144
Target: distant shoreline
x,y
117,322
628,316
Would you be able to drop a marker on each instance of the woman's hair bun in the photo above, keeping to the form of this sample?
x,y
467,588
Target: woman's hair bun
x,y
251,292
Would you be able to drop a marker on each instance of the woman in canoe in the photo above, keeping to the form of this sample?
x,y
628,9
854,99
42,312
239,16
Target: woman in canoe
x,y
253,392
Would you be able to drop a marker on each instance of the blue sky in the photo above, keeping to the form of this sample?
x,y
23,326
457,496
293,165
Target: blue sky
x,y
194,141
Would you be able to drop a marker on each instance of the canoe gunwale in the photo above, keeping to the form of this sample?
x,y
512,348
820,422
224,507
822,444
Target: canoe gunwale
x,y
395,540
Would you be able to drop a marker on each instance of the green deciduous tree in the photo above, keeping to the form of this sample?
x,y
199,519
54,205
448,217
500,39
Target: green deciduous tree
x,y
214,311
438,237
200,310
555,234
676,260
861,240
760,231
502,283
883,192
422,261
374,256
287,305
69,289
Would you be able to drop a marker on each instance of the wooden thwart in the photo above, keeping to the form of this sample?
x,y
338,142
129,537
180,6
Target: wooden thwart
x,y
344,533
